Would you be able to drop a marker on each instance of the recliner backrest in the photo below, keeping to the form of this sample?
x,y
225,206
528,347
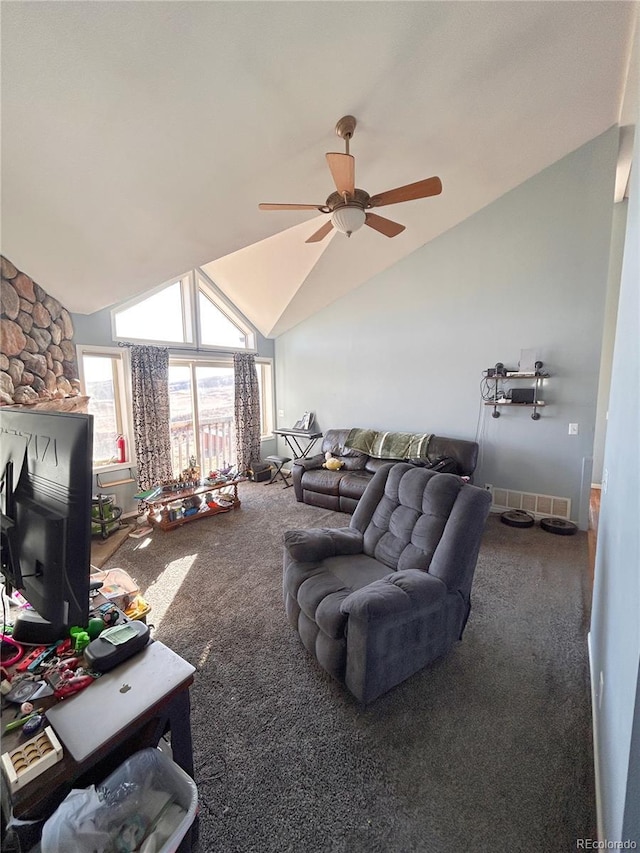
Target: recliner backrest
x,y
414,518
408,521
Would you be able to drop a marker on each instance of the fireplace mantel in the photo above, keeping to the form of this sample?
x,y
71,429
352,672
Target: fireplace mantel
x,y
64,404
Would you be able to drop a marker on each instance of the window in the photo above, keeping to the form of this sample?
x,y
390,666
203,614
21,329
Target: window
x,y
264,368
102,374
201,399
188,312
201,411
158,317
219,326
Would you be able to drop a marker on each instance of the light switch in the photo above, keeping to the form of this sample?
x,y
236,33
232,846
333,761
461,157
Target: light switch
x,y
573,429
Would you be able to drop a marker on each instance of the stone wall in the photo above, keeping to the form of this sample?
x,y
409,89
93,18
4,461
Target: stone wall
x,y
37,354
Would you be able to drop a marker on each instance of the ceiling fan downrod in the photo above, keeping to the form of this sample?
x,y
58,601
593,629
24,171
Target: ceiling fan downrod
x,y
345,128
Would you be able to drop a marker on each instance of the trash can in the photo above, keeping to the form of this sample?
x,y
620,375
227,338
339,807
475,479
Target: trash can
x,y
148,803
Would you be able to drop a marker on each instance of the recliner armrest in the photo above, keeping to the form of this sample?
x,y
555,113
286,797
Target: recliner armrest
x,y
398,592
318,543
310,462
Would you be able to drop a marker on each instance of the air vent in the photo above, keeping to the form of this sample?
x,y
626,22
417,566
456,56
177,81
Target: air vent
x,y
540,506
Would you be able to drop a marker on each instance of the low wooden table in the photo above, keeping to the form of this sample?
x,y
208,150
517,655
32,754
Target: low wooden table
x,y
160,502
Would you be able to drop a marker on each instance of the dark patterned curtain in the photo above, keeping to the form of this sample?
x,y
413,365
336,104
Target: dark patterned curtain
x,y
151,431
247,410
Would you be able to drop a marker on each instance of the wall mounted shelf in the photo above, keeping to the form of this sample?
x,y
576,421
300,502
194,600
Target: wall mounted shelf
x,y
498,401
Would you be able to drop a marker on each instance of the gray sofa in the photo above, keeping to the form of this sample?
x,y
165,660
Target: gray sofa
x,y
378,600
341,490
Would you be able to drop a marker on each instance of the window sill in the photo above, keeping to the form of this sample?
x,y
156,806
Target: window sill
x,y
113,466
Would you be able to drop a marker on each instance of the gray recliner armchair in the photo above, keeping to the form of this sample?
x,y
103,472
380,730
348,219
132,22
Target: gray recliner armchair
x,y
378,600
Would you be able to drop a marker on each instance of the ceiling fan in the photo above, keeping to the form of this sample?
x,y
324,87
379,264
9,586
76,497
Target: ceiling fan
x,y
349,206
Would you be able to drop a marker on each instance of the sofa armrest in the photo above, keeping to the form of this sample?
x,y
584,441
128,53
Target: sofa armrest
x,y
315,544
310,462
396,593
298,469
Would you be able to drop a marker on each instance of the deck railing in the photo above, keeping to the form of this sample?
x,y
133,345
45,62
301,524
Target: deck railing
x,y
214,446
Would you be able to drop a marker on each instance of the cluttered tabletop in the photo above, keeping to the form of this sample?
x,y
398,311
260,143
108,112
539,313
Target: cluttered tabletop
x,y
37,677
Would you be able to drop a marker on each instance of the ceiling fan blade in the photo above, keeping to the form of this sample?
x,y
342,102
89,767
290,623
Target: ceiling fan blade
x,y
321,233
343,171
290,206
384,226
421,189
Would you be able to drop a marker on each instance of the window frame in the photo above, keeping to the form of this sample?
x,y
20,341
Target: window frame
x,y
191,284
267,416
267,400
121,366
204,284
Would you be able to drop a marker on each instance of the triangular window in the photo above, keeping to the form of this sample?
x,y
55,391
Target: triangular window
x,y
159,317
219,325
189,312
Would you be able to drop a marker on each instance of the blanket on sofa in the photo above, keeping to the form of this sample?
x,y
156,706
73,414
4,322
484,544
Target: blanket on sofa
x,y
389,445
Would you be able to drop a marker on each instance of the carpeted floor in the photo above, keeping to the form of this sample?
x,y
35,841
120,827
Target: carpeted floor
x,y
488,750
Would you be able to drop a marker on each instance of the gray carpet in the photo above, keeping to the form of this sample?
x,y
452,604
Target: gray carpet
x,y
488,750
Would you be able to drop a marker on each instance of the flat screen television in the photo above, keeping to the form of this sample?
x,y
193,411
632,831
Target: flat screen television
x,y
46,497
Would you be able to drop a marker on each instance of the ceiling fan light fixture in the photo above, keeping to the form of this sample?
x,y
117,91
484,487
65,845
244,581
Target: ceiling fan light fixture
x,y
348,219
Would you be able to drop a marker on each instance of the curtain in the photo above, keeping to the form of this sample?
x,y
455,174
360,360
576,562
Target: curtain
x,y
247,410
151,431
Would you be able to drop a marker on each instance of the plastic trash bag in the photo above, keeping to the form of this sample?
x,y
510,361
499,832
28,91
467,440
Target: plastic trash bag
x,y
146,805
72,827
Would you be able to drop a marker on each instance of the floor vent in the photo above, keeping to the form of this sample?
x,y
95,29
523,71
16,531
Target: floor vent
x,y
540,506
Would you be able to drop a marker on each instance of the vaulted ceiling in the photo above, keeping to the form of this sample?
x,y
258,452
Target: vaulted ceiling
x,y
139,137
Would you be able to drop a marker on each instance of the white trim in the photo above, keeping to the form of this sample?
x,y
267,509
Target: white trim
x,y
227,308
191,284
114,466
595,715
223,360
123,390
269,416
186,283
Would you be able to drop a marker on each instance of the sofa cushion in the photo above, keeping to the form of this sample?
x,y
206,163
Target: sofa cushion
x,y
333,442
323,481
356,462
353,484
372,464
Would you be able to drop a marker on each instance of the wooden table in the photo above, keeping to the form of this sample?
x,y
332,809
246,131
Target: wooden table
x,y
38,799
158,505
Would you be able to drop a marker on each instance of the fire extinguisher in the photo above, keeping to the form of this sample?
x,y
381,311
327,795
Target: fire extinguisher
x,y
121,451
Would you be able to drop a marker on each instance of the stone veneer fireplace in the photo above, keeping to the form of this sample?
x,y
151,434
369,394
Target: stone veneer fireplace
x,y
37,355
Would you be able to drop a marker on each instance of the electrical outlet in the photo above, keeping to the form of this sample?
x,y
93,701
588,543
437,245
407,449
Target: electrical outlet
x,y
280,413
488,487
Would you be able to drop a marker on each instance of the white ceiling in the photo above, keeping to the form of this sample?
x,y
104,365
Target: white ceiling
x,y
139,137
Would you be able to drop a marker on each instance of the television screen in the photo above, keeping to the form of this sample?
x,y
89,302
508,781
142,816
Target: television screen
x,y
46,469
